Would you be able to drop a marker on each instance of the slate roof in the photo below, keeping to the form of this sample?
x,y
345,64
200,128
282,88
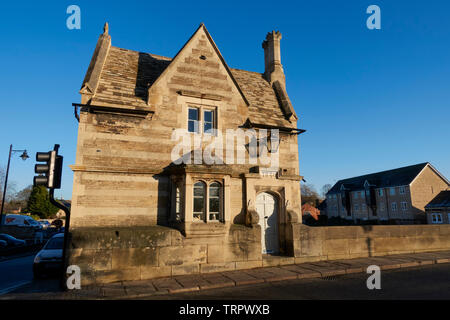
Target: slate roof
x,y
442,200
390,178
127,74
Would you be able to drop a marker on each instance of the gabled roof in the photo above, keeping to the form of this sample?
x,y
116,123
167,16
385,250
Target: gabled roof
x,y
442,200
127,75
390,178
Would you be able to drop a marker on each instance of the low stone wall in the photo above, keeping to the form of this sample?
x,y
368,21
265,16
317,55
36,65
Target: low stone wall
x,y
331,243
106,254
117,254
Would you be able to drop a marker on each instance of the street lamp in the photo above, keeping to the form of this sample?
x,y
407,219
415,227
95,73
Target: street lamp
x,y
24,157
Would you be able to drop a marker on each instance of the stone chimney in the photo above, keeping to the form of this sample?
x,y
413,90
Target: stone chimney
x,y
272,58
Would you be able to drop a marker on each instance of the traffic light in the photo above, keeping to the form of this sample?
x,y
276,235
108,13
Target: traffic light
x,y
50,172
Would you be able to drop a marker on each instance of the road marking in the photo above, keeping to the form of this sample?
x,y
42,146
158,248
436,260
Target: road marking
x,y
12,288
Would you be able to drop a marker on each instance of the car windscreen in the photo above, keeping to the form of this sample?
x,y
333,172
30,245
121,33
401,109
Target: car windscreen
x,y
55,243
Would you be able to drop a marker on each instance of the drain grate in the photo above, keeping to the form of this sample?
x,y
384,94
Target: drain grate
x,y
329,278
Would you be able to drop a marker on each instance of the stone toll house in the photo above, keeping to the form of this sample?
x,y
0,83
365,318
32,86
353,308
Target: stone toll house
x,y
137,215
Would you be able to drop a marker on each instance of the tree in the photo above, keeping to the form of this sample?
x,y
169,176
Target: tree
x,y
309,195
325,189
39,203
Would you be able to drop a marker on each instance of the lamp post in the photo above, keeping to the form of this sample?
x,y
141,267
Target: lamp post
x,y
24,157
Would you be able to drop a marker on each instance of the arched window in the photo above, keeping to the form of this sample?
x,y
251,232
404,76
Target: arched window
x,y
199,201
214,201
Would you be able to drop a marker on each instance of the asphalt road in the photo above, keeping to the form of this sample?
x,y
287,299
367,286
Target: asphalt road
x,y
15,273
425,282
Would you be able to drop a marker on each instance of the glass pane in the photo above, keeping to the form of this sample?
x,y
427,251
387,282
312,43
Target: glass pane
x,y
214,189
191,126
213,205
198,204
207,127
199,191
214,216
193,114
208,116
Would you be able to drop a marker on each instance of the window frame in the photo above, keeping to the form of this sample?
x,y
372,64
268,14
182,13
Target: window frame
x,y
402,190
394,205
206,202
201,109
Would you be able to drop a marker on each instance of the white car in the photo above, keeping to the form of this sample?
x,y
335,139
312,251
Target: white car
x,y
49,259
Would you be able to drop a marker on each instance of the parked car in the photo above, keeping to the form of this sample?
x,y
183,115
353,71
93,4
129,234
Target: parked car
x,y
48,261
44,223
21,221
3,244
11,241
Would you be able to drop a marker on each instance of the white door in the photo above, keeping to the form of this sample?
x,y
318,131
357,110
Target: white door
x,y
267,208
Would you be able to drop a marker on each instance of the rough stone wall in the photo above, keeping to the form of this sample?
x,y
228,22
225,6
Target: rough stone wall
x,y
328,243
123,253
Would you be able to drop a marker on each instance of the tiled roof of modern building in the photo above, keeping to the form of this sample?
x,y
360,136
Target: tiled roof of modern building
x,y
389,178
442,200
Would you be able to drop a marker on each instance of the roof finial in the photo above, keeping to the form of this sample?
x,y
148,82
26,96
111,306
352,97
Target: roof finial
x,y
105,28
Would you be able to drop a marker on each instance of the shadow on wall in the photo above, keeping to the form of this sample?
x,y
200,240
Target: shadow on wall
x,y
368,228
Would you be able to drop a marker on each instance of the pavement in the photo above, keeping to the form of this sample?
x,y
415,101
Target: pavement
x,y
191,283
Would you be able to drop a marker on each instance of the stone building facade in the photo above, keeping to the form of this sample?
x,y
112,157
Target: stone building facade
x,y
398,195
137,211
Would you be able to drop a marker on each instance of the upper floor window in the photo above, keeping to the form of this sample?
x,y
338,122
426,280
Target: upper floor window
x,y
197,116
394,206
402,190
392,191
356,207
404,205
193,120
355,195
208,120
380,192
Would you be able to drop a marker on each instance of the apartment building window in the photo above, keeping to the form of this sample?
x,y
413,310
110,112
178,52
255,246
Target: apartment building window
x,y
394,206
381,208
436,218
402,190
361,194
392,191
355,195
356,207
380,192
363,207
404,205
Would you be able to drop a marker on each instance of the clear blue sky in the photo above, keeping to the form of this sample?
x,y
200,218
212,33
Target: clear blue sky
x,y
371,100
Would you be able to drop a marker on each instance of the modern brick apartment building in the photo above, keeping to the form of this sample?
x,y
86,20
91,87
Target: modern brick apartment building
x,y
136,213
398,195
